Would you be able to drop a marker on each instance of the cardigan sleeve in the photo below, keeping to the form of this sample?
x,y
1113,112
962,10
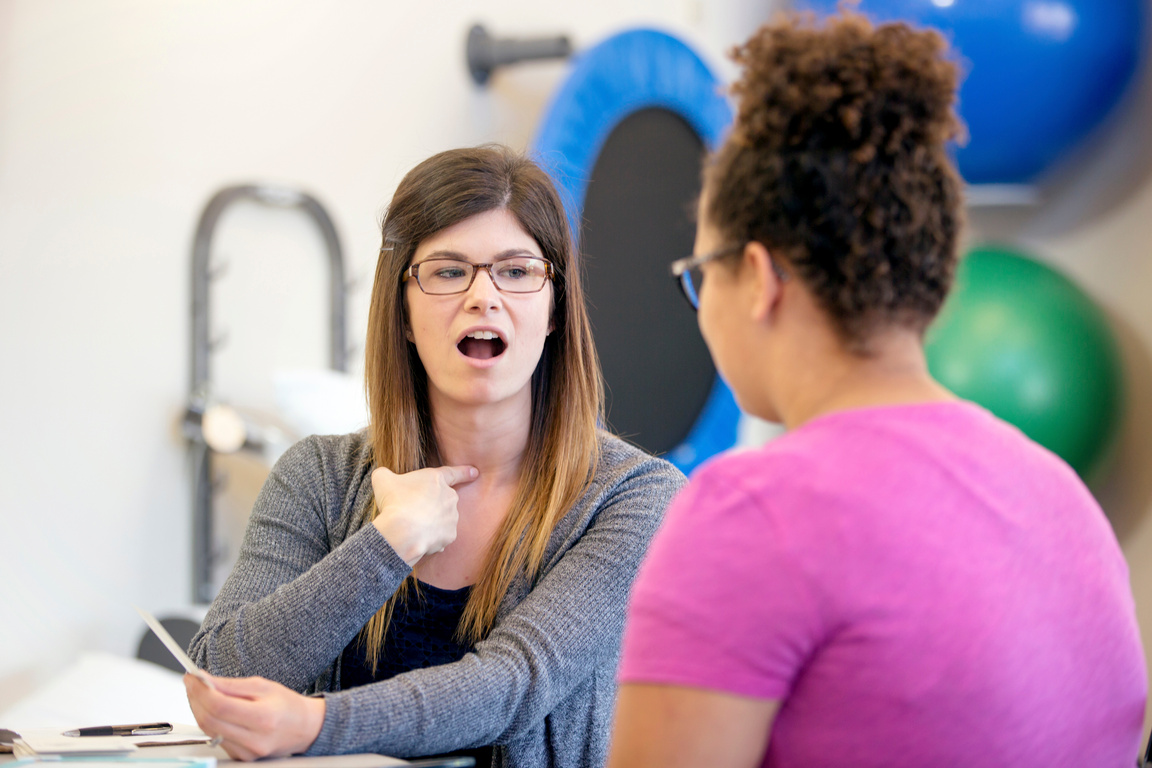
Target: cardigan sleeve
x,y
293,601
543,649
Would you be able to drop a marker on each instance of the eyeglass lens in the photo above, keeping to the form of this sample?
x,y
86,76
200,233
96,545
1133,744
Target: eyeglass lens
x,y
690,282
515,275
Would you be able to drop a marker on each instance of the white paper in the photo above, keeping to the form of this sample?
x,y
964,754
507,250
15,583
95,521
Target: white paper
x,y
51,742
174,647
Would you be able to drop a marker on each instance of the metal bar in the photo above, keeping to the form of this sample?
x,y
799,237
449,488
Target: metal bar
x,y
485,53
200,391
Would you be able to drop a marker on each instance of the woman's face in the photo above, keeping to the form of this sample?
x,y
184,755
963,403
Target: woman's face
x,y
462,368
719,315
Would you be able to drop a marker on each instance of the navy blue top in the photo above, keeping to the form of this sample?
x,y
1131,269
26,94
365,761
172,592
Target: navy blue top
x,y
422,634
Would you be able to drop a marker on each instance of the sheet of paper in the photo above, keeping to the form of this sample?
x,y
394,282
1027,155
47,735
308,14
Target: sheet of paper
x,y
52,742
173,647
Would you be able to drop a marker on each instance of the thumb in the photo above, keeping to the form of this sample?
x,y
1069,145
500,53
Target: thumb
x,y
459,474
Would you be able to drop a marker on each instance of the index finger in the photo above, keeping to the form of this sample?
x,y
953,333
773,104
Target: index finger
x,y
458,474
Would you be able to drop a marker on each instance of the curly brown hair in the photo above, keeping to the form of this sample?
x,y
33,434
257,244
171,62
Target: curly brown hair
x,y
838,164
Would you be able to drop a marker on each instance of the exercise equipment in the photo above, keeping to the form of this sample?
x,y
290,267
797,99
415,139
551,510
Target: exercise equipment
x,y
210,426
623,139
1020,339
486,53
1039,74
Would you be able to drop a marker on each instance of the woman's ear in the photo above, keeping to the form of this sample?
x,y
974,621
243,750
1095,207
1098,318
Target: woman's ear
x,y
763,280
404,316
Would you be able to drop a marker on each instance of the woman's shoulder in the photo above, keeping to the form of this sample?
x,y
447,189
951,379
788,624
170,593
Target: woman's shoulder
x,y
328,453
620,461
334,471
628,495
628,480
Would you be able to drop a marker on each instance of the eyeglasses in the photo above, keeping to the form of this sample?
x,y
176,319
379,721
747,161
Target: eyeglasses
x,y
440,276
689,275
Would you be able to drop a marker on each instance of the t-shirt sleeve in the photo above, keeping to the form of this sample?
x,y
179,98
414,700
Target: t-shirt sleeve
x,y
724,601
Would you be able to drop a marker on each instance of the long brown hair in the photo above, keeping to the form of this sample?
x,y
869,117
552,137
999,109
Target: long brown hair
x,y
567,389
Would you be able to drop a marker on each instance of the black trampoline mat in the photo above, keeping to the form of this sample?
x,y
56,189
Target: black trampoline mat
x,y
637,220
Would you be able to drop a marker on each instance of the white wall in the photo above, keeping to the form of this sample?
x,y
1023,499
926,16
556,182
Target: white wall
x,y
118,120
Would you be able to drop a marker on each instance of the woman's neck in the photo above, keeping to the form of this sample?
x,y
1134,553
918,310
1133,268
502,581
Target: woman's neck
x,y
492,437
894,372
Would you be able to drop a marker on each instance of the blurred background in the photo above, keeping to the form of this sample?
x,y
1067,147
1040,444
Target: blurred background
x,y
121,119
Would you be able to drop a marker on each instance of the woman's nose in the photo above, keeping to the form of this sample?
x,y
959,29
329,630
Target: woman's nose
x,y
483,292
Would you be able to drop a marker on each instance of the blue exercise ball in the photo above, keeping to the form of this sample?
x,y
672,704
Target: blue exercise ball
x,y
1039,74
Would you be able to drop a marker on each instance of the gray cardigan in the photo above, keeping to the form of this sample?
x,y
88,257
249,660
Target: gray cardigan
x,y
541,686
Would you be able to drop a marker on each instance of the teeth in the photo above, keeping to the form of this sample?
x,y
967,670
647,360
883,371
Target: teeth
x,y
486,335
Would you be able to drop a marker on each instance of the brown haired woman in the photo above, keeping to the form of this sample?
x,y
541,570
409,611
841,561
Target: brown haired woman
x,y
901,579
455,577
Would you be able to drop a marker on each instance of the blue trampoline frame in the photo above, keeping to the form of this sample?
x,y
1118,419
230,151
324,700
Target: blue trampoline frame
x,y
630,71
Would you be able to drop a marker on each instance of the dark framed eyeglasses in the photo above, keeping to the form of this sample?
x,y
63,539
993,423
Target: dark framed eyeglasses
x,y
439,276
690,277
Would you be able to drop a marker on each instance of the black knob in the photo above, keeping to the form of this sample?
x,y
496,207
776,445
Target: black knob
x,y
485,53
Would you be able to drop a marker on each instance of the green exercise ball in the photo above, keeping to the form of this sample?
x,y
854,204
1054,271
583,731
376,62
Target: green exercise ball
x,y
1023,341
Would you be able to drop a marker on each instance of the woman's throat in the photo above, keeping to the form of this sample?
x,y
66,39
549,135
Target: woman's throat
x,y
481,349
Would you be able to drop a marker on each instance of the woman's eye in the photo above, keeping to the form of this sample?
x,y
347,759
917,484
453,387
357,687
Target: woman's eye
x,y
449,273
515,271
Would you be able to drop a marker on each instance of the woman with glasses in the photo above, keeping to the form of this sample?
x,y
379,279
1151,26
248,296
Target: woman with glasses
x,y
454,577
901,579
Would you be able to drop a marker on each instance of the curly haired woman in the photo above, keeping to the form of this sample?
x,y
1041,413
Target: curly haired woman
x,y
902,579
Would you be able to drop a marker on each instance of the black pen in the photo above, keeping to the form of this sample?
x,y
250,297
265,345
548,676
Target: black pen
x,y
140,729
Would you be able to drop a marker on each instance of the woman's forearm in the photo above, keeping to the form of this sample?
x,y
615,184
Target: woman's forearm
x,y
292,633
294,598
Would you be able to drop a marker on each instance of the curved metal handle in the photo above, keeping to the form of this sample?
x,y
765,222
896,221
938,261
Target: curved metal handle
x,y
200,392
201,251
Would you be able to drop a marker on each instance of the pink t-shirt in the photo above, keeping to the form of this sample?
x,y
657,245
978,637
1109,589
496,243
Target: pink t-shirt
x,y
920,585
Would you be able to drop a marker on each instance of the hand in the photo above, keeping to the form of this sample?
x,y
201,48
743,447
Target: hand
x,y
255,717
416,511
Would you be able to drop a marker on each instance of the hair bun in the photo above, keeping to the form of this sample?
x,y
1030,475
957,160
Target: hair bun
x,y
838,163
845,86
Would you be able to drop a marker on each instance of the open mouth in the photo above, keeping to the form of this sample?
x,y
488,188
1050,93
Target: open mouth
x,y
481,345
